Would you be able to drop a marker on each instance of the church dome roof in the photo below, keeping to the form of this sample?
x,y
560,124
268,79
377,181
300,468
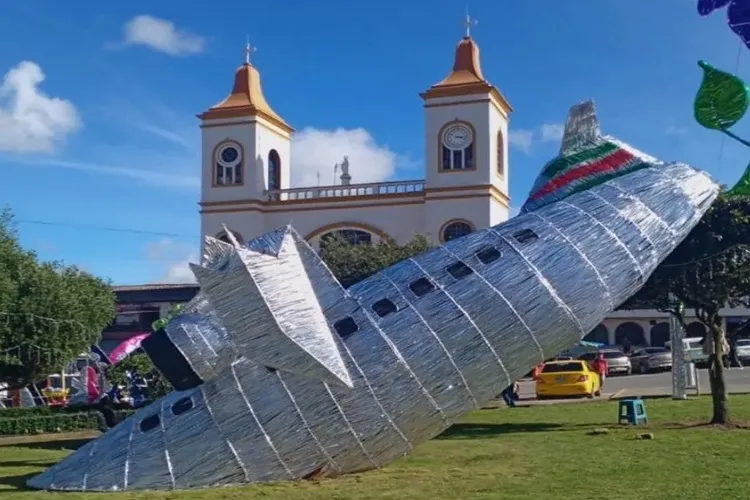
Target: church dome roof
x,y
466,77
246,99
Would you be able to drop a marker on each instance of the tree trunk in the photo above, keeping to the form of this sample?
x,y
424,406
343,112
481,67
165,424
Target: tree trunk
x,y
716,374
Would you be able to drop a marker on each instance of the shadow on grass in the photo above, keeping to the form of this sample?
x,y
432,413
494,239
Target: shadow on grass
x,y
17,482
470,430
52,444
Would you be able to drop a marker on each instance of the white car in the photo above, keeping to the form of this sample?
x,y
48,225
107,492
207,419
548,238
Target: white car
x,y
743,350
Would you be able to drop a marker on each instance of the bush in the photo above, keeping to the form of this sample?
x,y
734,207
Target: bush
x,y
43,411
43,420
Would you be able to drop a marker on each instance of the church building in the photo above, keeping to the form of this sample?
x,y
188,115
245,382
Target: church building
x,y
246,166
247,155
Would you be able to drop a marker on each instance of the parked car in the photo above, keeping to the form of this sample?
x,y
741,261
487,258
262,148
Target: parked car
x,y
651,359
567,379
693,348
617,361
743,350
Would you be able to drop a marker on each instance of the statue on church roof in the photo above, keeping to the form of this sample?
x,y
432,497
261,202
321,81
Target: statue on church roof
x,y
346,179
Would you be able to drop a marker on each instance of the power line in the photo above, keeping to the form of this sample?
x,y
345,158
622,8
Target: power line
x,y
104,228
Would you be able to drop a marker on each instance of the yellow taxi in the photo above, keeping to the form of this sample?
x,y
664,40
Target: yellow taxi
x,y
567,378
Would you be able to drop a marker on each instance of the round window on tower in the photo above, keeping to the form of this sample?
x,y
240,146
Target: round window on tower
x,y
229,155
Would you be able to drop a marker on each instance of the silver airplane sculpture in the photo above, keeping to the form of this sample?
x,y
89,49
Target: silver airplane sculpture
x,y
282,374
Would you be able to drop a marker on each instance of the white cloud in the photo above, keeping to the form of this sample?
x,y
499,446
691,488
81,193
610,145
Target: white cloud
x,y
522,139
30,120
552,132
163,36
175,257
315,151
525,140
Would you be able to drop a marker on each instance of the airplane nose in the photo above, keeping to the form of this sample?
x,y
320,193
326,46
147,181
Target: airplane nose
x,y
699,186
192,348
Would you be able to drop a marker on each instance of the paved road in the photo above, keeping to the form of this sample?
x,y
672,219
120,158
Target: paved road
x,y
657,384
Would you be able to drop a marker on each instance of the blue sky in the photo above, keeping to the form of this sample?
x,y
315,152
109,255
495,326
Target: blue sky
x,y
118,144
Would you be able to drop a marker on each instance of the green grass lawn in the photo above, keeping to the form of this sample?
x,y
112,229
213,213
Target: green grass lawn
x,y
540,453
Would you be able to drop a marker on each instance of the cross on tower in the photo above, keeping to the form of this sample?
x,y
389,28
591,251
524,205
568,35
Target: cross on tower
x,y
469,22
249,49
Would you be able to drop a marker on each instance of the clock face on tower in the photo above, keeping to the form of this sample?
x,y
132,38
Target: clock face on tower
x,y
457,136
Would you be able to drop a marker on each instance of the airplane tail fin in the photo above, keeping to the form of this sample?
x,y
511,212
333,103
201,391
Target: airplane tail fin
x,y
586,159
263,295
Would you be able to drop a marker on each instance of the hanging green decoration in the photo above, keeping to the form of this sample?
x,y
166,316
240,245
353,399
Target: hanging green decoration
x,y
742,188
722,99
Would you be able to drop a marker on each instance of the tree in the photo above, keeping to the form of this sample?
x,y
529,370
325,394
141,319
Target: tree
x,y
353,263
160,323
708,271
49,313
139,363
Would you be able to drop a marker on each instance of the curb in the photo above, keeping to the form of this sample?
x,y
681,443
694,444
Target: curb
x,y
616,395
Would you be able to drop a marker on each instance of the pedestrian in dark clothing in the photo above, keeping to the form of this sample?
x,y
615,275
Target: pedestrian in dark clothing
x,y
510,395
108,413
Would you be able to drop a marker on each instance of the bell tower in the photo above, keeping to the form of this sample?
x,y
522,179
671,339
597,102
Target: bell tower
x,y
466,140
246,151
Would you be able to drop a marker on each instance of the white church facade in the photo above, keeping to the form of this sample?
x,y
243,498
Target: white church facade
x,y
246,167
247,157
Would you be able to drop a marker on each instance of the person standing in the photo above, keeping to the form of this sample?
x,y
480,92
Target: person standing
x,y
734,356
537,371
600,367
508,395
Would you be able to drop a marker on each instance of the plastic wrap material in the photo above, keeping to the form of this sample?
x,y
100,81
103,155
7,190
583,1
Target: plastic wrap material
x,y
303,379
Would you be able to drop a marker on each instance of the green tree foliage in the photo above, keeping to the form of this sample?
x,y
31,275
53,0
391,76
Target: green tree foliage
x,y
708,271
49,312
160,323
140,364
353,263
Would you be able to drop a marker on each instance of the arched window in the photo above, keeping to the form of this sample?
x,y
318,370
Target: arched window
x,y
629,334
456,229
352,236
457,146
274,170
500,153
660,334
228,164
600,335
695,329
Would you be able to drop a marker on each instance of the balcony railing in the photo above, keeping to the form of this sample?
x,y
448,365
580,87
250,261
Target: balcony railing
x,y
320,192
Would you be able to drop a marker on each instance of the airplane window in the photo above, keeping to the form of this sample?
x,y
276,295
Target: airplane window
x,y
384,307
150,423
459,270
181,406
421,287
345,327
487,255
525,236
